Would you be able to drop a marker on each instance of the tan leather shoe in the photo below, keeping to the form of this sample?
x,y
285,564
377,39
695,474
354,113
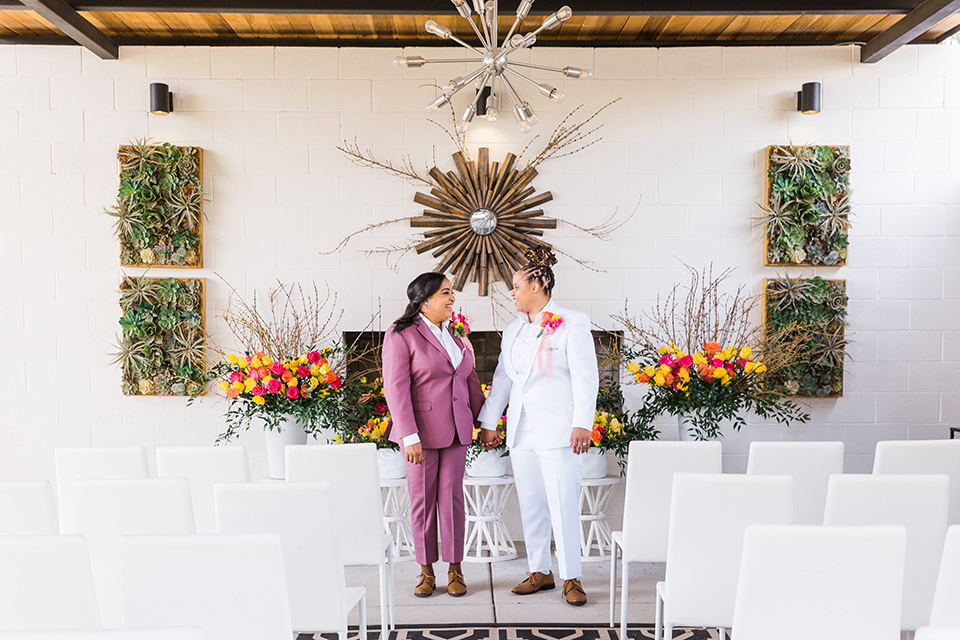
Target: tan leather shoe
x,y
536,581
455,584
425,587
573,592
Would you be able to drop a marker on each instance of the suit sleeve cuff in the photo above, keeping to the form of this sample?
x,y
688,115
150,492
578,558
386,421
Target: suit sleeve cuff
x,y
411,439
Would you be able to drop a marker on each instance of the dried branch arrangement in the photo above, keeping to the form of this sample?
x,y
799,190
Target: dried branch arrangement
x,y
483,215
291,321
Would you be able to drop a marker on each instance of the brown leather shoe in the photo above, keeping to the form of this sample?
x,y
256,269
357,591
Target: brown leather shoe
x,y
455,584
573,592
427,584
536,581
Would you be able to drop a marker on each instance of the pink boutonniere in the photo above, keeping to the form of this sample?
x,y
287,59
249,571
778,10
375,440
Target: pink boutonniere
x,y
459,325
549,323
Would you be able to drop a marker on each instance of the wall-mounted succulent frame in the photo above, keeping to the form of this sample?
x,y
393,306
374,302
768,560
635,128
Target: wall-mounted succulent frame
x,y
817,307
807,205
161,347
159,209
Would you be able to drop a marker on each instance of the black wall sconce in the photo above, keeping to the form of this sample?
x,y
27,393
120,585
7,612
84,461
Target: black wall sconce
x,y
161,99
808,98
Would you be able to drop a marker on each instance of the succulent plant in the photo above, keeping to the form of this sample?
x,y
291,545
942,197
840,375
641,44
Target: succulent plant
x,y
795,161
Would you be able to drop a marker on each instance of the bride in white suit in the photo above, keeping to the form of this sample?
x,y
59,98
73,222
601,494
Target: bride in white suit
x,y
547,372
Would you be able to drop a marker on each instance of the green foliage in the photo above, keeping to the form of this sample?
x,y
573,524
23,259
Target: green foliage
x,y
161,341
637,425
819,308
808,207
362,412
159,205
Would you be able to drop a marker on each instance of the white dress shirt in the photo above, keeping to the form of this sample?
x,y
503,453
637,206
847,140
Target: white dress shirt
x,y
442,333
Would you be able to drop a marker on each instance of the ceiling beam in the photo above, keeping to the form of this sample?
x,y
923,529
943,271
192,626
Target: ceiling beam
x,y
911,26
79,29
433,7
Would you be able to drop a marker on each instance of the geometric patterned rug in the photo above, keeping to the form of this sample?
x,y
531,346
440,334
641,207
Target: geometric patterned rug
x,y
519,632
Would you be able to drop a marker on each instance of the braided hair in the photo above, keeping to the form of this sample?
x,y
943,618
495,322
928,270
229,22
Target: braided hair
x,y
537,269
422,287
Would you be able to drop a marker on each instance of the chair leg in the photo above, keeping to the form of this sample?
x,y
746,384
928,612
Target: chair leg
x,y
363,617
392,586
722,633
384,602
613,579
624,597
668,631
342,635
658,615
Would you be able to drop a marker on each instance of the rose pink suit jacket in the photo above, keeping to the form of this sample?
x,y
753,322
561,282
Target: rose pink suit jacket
x,y
424,393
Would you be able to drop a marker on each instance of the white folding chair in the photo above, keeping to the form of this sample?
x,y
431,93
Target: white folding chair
x,y
708,516
809,463
45,583
304,516
923,456
830,583
204,467
231,587
93,463
106,634
646,506
26,508
353,472
946,599
918,503
108,509
938,633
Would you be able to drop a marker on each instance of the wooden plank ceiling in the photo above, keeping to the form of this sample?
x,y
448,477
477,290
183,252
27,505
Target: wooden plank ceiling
x,y
362,23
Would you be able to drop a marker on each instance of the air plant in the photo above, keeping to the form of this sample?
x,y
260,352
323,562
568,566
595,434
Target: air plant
x,y
136,157
831,351
795,161
136,291
836,218
187,349
787,292
185,209
779,214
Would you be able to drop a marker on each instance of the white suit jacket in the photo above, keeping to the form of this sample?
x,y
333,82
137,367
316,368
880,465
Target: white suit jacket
x,y
556,399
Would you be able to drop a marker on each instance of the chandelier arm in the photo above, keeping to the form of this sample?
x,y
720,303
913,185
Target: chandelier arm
x,y
470,78
464,44
483,22
536,66
483,40
516,23
514,96
495,27
522,77
426,60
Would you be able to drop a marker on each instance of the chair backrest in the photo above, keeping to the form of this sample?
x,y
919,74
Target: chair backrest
x,y
106,634
204,467
304,516
93,463
832,583
918,503
649,484
938,633
231,587
809,463
923,456
946,610
708,516
109,509
26,509
45,583
352,471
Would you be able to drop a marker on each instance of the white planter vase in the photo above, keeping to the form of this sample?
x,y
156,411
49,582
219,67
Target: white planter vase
x,y
291,432
594,463
489,464
685,429
391,464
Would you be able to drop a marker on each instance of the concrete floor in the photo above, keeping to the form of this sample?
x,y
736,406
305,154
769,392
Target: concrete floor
x,y
489,600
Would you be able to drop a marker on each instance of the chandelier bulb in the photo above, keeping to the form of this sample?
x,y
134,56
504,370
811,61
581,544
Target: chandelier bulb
x,y
525,128
552,21
478,7
551,92
441,32
411,62
580,74
523,10
463,7
439,102
529,115
453,86
565,13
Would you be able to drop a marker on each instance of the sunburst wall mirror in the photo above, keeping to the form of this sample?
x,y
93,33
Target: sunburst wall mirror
x,y
483,218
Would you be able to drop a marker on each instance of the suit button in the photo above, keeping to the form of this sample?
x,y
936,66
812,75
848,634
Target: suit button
x,y
454,399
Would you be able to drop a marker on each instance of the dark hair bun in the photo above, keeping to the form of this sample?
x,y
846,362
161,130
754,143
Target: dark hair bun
x,y
540,256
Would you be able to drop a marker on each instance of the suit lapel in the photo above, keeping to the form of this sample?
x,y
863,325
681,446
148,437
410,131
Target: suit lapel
x,y
432,339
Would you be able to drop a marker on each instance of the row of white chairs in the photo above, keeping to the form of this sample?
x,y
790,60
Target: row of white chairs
x,y
104,511
173,577
702,536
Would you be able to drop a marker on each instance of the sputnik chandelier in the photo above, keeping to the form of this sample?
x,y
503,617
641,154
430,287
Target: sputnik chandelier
x,y
495,64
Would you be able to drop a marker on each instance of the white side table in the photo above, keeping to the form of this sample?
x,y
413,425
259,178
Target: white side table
x,y
487,538
594,530
396,517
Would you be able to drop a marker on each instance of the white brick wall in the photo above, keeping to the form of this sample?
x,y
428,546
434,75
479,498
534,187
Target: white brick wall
x,y
686,141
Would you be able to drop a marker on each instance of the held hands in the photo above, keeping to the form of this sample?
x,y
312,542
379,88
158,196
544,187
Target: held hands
x,y
414,454
580,440
490,438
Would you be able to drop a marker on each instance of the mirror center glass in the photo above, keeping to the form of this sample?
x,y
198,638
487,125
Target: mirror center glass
x,y
483,221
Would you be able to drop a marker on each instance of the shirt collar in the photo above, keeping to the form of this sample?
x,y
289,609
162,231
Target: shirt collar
x,y
433,327
551,306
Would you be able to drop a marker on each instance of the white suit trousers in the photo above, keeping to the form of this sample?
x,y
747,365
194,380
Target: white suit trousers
x,y
548,489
